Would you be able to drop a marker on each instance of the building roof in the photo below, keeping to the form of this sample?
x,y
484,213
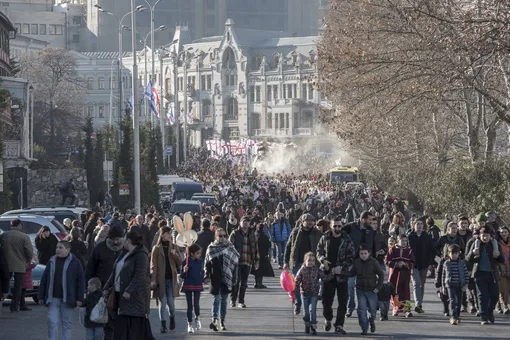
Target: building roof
x,y
250,37
217,38
289,41
7,21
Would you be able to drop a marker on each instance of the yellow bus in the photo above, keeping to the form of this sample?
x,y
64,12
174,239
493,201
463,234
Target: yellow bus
x,y
344,174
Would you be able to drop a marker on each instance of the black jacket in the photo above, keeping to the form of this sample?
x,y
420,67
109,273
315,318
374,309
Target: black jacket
x,y
134,279
422,248
101,262
5,274
205,238
90,302
79,250
46,248
447,240
474,259
355,232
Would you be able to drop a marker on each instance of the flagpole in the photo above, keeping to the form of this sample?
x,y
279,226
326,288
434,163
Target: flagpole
x,y
185,101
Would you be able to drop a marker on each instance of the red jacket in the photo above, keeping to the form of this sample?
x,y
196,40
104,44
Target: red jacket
x,y
27,279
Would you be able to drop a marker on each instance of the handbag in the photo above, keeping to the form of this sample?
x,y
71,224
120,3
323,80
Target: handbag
x,y
110,302
99,313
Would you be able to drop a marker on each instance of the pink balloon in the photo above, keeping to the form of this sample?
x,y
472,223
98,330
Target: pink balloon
x,y
292,297
287,281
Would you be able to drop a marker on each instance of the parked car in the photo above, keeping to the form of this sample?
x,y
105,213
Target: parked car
x,y
60,213
37,274
183,206
208,200
32,224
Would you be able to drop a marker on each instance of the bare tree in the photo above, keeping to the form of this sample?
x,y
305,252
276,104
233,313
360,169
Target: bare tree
x,y
58,94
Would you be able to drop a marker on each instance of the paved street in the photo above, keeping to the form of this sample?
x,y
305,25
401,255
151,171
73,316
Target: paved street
x,y
269,316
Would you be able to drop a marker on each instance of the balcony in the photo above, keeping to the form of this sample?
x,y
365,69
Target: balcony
x,y
273,132
303,132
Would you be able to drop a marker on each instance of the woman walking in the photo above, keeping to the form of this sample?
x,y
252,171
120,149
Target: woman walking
x,y
165,262
265,269
130,284
46,244
221,260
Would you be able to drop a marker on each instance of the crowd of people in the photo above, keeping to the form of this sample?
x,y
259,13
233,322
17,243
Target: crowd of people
x,y
359,244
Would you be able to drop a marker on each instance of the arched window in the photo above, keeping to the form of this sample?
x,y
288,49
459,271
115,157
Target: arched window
x,y
90,110
229,59
232,110
269,122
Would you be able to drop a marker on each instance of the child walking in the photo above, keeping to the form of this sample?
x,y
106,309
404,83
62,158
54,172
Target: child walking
x,y
384,296
455,279
93,331
369,281
442,291
307,279
400,259
193,275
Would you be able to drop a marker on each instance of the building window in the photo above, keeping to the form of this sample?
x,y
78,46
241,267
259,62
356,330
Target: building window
x,y
232,109
255,121
100,83
202,83
55,29
269,87
269,122
114,111
90,83
209,82
252,94
211,4
257,94
304,91
76,38
275,91
310,91
276,120
18,28
289,91
113,82
307,119
42,29
276,59
90,111
77,20
34,29
181,84
206,108
101,111
26,29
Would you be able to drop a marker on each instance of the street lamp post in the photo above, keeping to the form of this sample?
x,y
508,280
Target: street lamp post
x,y
136,131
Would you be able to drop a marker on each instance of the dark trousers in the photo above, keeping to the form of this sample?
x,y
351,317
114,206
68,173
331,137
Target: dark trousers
x,y
22,302
16,293
454,299
258,280
193,302
328,295
110,325
444,300
71,196
488,292
239,289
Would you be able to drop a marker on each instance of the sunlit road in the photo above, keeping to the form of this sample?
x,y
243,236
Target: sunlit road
x,y
269,316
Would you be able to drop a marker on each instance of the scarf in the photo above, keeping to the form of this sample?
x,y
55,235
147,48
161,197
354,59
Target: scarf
x,y
229,263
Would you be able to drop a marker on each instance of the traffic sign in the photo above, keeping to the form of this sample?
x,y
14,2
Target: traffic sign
x,y
169,150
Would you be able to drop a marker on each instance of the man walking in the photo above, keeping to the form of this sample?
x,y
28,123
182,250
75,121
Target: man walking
x,y
18,253
422,247
280,231
303,239
336,250
245,242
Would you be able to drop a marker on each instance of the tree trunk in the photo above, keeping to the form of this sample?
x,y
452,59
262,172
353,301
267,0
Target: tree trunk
x,y
490,143
52,129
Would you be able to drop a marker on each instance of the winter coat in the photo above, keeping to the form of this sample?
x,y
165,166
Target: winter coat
x,y
205,238
344,257
27,279
307,280
158,267
504,268
446,240
398,254
5,274
355,232
134,279
447,274
153,230
101,262
79,250
18,250
280,231
145,232
369,274
194,277
236,238
264,246
474,259
46,248
422,247
380,243
295,239
89,233
435,233
73,282
90,302
101,233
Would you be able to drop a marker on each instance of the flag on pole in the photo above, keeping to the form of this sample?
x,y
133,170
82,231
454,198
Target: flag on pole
x,y
130,101
148,90
191,117
155,102
171,117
